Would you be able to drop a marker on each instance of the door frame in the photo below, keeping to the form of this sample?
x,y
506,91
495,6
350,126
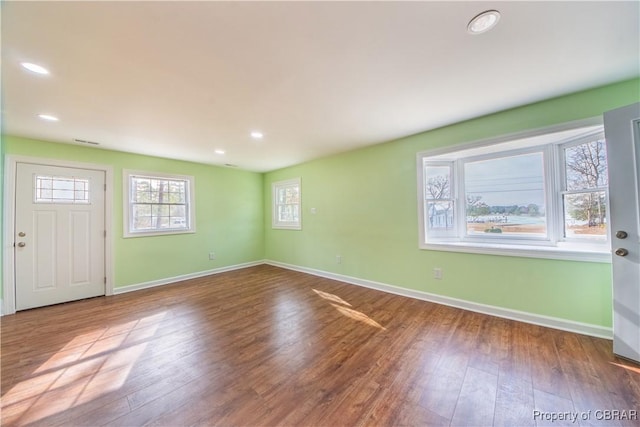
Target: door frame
x,y
8,305
623,127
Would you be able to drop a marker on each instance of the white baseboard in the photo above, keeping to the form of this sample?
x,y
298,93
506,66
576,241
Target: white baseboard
x,y
522,316
168,280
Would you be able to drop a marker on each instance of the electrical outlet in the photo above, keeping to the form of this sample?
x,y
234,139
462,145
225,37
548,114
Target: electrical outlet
x,y
437,273
339,259
212,255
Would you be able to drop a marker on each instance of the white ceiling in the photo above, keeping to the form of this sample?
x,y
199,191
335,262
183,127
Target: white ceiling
x,y
182,79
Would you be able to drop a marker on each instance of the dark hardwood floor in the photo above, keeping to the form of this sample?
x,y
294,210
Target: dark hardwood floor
x,y
265,346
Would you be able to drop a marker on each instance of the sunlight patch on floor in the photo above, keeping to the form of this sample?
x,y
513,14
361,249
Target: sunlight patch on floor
x,y
331,297
87,367
343,307
357,315
627,367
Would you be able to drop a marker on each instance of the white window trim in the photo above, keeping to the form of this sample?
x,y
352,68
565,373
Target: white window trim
x,y
127,207
555,247
285,225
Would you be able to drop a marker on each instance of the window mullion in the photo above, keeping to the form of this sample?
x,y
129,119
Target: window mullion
x,y
585,190
554,179
460,202
159,204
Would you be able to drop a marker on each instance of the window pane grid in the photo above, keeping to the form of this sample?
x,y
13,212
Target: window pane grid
x,y
440,206
288,213
438,182
53,189
440,215
586,165
286,204
288,195
585,215
159,204
584,196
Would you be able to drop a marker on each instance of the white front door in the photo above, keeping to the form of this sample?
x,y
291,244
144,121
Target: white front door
x,y
59,234
622,130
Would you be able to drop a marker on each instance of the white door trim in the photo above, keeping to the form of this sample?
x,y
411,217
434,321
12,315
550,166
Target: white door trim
x,y
8,261
623,151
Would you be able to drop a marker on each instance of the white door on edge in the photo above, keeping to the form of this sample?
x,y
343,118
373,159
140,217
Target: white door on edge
x,y
59,234
622,132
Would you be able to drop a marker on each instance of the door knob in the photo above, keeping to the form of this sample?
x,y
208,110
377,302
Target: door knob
x,y
622,252
22,244
22,234
621,234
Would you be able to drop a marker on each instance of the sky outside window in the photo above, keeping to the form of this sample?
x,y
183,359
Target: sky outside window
x,y
514,180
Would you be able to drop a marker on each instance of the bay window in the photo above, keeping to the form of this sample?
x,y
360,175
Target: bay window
x,y
542,195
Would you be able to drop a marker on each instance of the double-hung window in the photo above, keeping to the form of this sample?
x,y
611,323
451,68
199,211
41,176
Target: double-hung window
x,y
158,204
584,183
286,212
439,199
542,196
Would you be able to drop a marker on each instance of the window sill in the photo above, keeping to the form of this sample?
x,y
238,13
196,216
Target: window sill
x,y
133,234
564,251
286,227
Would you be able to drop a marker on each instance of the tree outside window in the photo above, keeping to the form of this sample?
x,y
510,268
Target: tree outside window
x,y
509,192
158,204
585,195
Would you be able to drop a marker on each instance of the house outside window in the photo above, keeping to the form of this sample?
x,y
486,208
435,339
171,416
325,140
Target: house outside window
x,y
157,204
543,195
286,204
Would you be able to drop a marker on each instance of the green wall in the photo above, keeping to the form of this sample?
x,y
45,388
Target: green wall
x,y
229,214
366,211
1,216
366,203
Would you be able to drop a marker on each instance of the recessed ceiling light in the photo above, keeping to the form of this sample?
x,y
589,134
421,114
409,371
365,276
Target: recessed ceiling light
x,y
48,117
483,22
219,152
256,135
35,68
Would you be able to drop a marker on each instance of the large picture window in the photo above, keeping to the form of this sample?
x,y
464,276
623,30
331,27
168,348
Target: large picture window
x,y
505,195
543,196
158,204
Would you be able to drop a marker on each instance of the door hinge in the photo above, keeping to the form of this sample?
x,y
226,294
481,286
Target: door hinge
x,y
105,187
105,280
105,233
